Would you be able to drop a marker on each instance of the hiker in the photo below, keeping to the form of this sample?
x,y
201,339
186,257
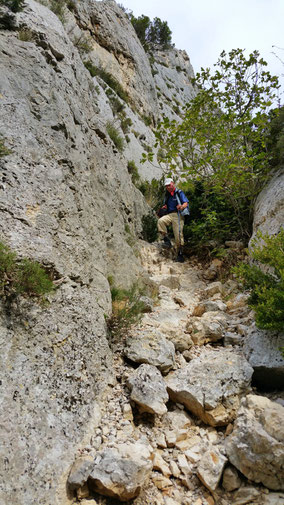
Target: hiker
x,y
174,203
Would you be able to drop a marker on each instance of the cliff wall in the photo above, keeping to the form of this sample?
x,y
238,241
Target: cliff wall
x,y
67,201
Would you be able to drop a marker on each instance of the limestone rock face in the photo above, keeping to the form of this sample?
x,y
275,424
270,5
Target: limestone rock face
x,y
269,207
148,389
121,472
262,350
210,386
117,50
256,445
65,198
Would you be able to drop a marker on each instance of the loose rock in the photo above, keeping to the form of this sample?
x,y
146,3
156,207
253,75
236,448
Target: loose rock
x,y
210,468
147,348
210,386
148,389
256,445
121,472
80,472
231,479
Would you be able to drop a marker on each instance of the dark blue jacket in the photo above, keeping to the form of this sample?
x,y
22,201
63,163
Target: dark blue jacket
x,y
172,202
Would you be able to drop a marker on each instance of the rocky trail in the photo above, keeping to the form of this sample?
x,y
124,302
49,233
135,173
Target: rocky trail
x,y
172,431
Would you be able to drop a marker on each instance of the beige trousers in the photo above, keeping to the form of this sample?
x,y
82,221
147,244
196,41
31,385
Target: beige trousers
x,y
172,219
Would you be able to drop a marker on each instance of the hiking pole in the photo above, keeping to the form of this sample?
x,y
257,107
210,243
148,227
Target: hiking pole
x,y
179,233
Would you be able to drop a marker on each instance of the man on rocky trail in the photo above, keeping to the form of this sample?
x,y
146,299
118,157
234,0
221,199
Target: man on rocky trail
x,y
175,203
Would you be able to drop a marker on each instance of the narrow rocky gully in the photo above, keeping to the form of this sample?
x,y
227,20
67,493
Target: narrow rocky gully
x,y
182,424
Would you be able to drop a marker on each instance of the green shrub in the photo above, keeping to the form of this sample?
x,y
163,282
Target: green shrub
x,y
127,310
276,137
108,78
83,44
21,276
32,279
57,6
212,217
14,5
147,120
266,285
7,267
4,151
149,227
71,5
116,105
154,192
133,171
25,35
125,124
115,136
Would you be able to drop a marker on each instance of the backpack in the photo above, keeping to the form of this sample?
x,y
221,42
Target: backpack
x,y
185,212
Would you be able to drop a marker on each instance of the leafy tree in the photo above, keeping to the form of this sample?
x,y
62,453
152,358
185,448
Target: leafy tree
x,y
160,34
276,137
152,34
222,137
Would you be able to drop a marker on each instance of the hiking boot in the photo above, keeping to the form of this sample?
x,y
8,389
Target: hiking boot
x,y
167,243
179,258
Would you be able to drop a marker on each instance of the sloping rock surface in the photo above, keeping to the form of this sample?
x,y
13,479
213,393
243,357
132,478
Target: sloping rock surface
x,y
269,207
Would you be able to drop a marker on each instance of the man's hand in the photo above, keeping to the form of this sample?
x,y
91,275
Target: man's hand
x,y
181,207
164,207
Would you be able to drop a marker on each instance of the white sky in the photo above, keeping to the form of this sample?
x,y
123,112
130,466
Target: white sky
x,y
205,27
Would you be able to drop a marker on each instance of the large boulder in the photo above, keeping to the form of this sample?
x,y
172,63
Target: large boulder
x,y
256,445
211,385
207,328
121,472
263,351
148,348
148,389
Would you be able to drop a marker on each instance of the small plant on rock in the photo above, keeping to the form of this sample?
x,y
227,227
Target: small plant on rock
x,y
21,276
127,310
4,151
115,136
133,171
14,5
83,44
25,35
